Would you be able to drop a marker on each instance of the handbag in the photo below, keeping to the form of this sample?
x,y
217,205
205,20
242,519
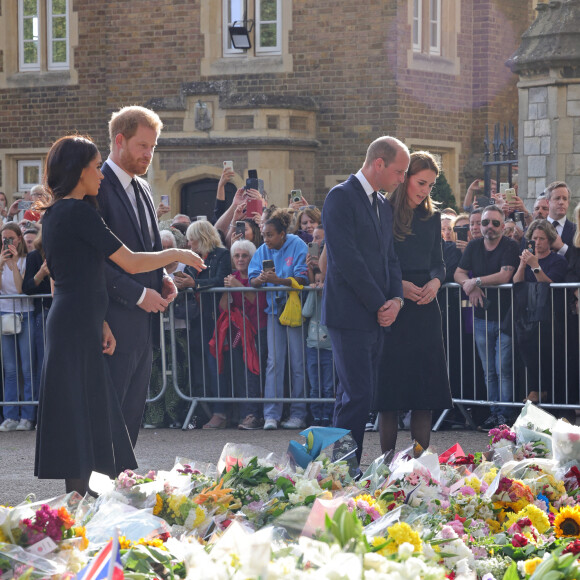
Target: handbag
x,y
11,323
292,313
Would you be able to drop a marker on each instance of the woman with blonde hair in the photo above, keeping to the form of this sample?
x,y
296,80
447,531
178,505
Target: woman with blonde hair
x,y
412,373
16,342
204,239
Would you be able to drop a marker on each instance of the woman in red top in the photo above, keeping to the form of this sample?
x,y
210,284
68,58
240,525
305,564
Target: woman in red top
x,y
252,306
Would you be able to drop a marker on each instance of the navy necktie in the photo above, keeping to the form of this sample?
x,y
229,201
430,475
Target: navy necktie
x,y
142,217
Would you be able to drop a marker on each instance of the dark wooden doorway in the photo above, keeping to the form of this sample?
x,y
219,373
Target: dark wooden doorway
x,y
198,197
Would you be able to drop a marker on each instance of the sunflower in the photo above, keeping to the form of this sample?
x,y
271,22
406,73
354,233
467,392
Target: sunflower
x,y
567,522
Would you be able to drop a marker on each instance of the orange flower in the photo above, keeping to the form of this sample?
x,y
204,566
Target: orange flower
x,y
65,517
216,494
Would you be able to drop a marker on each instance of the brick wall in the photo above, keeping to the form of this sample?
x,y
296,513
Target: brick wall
x,y
350,57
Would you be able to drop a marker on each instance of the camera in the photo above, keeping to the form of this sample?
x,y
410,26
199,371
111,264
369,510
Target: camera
x,y
521,217
268,265
296,196
461,232
229,165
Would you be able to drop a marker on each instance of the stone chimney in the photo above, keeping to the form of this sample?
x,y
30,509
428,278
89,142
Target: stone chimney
x,y
548,65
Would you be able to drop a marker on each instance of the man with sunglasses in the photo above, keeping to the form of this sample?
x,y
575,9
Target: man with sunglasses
x,y
491,260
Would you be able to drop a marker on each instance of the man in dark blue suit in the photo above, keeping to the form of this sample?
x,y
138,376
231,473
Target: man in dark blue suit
x,y
558,195
363,289
126,205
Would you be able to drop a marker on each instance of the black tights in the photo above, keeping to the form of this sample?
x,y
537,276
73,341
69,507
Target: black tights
x,y
389,425
79,485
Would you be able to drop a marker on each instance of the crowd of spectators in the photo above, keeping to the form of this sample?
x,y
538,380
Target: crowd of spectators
x,y
232,344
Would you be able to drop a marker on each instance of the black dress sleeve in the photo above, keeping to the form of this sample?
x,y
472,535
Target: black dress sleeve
x,y
94,231
437,265
33,263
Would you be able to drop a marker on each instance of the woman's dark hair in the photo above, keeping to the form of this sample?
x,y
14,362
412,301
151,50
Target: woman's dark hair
x,y
257,238
64,164
280,219
402,211
544,226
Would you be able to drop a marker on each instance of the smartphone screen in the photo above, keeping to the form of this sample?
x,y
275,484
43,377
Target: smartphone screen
x,y
531,246
165,200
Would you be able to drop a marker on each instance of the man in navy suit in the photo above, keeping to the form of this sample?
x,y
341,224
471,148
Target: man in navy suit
x,y
363,289
558,196
126,205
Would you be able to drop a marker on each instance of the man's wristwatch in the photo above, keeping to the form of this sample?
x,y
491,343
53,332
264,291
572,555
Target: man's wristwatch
x,y
536,270
400,300
478,282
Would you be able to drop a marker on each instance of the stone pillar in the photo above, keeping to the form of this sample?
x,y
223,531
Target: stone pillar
x,y
548,65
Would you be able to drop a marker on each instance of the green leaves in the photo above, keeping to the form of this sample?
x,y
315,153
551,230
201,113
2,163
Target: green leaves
x,y
345,527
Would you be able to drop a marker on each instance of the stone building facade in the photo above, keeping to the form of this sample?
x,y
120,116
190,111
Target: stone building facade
x,y
548,64
323,78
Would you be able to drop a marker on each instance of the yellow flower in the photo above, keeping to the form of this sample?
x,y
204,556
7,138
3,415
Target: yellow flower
x,y
200,516
399,534
175,502
531,565
538,518
2,536
380,542
473,483
567,522
158,505
490,475
80,532
493,525
124,543
155,542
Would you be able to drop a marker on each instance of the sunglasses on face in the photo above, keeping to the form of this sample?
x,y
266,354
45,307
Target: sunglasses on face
x,y
496,223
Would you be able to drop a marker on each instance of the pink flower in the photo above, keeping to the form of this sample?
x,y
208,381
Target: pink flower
x,y
448,533
466,490
519,541
457,526
413,478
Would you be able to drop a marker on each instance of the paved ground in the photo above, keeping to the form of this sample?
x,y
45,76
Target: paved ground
x,y
157,449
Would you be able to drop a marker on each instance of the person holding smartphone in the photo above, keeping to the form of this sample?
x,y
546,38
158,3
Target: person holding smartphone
x,y
538,264
280,257
16,347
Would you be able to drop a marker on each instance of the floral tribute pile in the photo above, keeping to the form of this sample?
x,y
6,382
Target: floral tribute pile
x,y
510,512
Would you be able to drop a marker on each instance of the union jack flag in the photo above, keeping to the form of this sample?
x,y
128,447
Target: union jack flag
x,y
106,565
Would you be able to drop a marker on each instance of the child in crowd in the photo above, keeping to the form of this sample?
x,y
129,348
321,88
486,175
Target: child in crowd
x,y
319,350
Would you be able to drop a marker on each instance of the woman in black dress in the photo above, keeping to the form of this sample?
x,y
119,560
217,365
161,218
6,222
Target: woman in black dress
x,y
80,426
412,373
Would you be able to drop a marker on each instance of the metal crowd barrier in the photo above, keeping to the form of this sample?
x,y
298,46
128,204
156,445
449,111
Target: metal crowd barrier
x,y
22,308
543,354
198,389
185,367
